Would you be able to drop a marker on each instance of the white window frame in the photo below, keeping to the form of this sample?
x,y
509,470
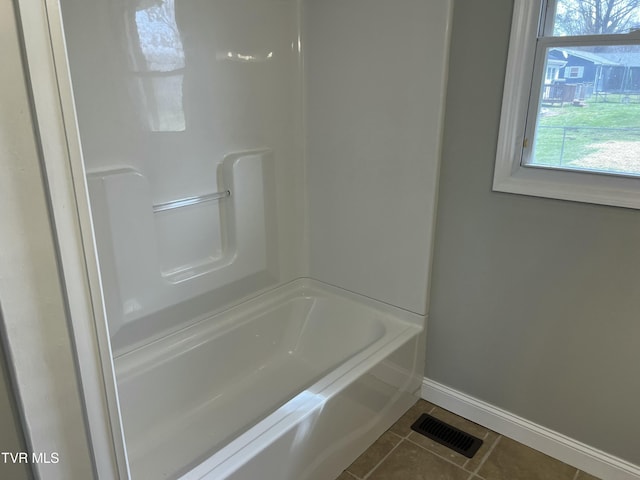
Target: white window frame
x,y
511,174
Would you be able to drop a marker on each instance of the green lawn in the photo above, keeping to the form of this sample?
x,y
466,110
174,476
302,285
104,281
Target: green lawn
x,y
569,133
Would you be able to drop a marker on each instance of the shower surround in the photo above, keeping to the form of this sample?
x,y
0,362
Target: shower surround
x,y
262,178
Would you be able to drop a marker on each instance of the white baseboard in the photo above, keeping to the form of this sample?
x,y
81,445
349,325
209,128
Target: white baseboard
x,y
554,444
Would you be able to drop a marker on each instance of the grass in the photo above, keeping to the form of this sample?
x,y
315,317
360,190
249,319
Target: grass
x,y
569,133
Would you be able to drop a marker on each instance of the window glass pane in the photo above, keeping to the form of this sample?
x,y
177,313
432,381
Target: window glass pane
x,y
595,17
588,114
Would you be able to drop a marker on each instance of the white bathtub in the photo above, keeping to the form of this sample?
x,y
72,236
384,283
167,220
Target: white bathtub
x,y
290,385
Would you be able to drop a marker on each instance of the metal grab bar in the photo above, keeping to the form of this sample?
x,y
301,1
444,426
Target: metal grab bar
x,y
185,202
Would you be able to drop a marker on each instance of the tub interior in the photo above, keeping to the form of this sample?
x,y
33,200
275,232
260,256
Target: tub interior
x,y
190,394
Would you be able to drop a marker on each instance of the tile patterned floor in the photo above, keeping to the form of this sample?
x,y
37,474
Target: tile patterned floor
x,y
402,454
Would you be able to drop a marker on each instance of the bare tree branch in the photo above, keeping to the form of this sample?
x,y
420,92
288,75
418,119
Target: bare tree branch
x,y
592,17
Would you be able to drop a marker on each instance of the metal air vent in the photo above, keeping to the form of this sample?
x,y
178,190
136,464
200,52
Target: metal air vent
x,y
446,435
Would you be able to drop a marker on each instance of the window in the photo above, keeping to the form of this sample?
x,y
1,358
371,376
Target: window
x,y
574,72
553,68
570,125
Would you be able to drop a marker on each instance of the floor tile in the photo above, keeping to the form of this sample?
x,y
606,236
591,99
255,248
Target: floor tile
x,y
488,441
374,454
346,476
511,460
586,476
410,462
437,448
401,454
403,426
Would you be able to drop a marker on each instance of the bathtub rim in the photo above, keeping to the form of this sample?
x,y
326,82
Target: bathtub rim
x,y
209,326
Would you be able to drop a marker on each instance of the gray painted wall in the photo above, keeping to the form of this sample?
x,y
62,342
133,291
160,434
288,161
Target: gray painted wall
x,y
534,302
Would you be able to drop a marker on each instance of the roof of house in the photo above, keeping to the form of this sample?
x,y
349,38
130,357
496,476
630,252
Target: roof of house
x,y
597,59
629,59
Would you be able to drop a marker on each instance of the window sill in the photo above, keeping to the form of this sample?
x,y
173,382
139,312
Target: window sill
x,y
613,190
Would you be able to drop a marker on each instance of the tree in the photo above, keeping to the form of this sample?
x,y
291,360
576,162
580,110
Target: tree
x,y
594,17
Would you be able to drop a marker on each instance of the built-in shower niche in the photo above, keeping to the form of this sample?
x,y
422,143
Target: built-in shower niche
x,y
210,249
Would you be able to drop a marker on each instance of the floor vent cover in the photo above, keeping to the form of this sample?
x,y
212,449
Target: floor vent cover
x,y
449,436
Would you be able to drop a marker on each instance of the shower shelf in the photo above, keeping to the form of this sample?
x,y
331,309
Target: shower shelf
x,y
185,202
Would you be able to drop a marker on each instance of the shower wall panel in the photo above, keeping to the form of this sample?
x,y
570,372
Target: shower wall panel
x,y
375,87
189,117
